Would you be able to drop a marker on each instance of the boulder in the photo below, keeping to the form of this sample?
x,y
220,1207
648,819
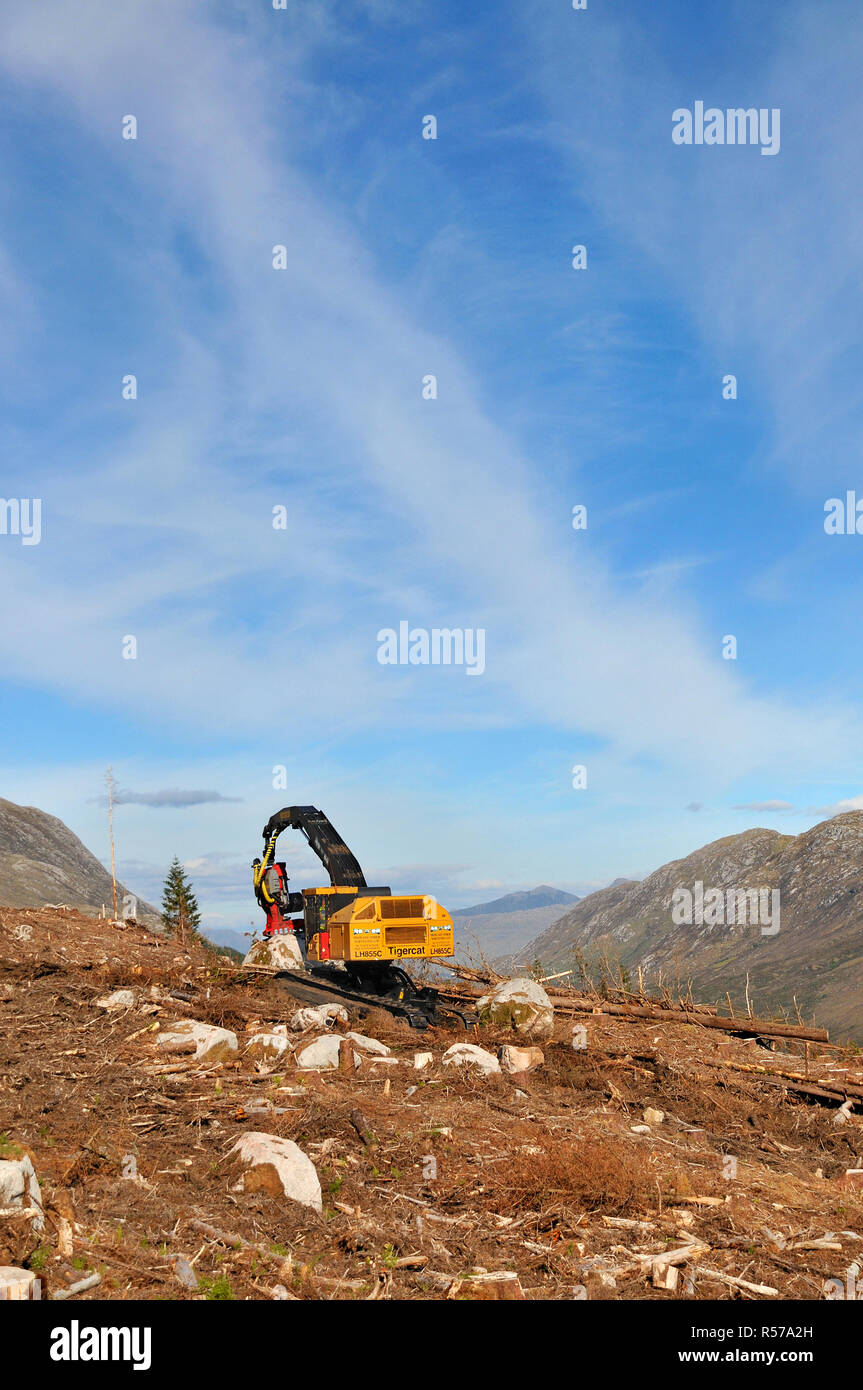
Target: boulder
x,y
369,1044
120,999
469,1055
277,1167
266,1047
280,952
322,1054
317,1016
516,1060
19,1186
204,1039
653,1117
520,1004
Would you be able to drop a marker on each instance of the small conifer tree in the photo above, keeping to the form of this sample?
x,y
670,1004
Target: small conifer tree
x,y
180,912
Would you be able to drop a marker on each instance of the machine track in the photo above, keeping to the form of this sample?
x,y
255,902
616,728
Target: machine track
x,y
420,1007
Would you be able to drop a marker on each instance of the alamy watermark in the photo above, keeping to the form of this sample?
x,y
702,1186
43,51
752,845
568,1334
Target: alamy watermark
x,y
713,907
844,515
850,1288
736,125
440,646
77,1343
21,516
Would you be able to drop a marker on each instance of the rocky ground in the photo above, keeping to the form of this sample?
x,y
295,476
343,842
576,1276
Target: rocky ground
x,y
655,1161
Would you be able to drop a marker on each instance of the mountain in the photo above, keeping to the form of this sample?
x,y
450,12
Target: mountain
x,y
519,902
42,863
502,926
815,956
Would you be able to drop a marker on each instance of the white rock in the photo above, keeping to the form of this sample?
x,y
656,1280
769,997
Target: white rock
x,y
516,1060
19,1187
468,1054
318,1016
184,1273
520,1004
653,1117
640,1129
281,952
120,999
266,1047
322,1054
207,1041
279,1167
16,1283
369,1044
423,1060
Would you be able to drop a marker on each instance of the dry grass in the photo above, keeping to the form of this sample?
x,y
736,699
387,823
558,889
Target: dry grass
x,y
589,1174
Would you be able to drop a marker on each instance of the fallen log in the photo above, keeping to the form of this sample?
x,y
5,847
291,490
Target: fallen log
x,y
81,1287
765,1290
229,1238
818,1085
748,1027
807,1088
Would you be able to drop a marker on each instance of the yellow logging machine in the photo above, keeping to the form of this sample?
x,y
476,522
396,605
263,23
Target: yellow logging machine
x,y
352,936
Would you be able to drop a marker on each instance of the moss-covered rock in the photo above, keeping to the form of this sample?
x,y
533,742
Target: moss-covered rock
x,y
521,1005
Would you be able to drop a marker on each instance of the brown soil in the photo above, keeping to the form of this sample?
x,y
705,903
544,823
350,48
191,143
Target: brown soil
x,y
441,1173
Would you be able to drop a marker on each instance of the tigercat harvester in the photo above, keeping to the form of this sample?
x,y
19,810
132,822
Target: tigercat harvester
x,y
352,936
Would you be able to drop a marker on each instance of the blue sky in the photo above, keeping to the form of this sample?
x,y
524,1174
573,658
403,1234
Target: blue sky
x,y
301,388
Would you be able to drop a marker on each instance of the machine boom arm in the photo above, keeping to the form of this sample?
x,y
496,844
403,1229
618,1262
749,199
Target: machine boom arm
x,y
342,867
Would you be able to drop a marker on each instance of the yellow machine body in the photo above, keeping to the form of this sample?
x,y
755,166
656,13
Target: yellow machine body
x,y
368,929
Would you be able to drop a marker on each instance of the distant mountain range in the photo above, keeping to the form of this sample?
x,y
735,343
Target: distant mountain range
x,y
519,902
815,956
42,864
502,926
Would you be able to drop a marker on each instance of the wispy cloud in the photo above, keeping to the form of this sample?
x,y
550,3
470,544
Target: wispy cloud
x,y
301,388
468,517
172,797
838,808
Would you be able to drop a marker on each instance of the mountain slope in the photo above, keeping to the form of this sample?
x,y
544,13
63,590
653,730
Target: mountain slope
x,y
815,956
42,862
227,939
